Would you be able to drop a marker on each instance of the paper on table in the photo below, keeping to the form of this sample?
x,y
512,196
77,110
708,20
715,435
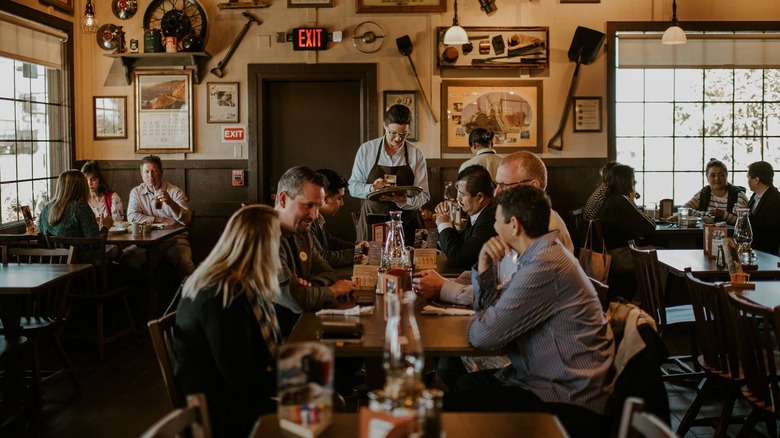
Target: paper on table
x,y
434,310
352,311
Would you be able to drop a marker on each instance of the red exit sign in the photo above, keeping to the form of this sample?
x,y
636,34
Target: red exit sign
x,y
233,134
310,38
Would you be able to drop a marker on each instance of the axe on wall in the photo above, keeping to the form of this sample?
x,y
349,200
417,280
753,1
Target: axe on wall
x,y
404,44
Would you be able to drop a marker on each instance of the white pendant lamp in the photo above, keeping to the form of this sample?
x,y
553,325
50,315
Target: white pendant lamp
x,y
674,34
455,35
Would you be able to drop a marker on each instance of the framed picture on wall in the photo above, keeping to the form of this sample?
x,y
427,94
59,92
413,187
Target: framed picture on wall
x,y
309,3
511,109
163,112
110,117
587,114
400,6
407,98
65,5
222,104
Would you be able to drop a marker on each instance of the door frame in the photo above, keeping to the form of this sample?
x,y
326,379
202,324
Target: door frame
x,y
258,75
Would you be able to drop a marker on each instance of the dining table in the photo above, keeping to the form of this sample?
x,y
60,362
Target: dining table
x,y
18,281
671,235
454,425
763,293
151,242
676,260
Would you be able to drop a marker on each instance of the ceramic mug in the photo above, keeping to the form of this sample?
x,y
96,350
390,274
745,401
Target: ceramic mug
x,y
147,228
136,228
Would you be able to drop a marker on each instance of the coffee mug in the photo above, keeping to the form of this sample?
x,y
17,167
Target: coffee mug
x,y
136,228
147,228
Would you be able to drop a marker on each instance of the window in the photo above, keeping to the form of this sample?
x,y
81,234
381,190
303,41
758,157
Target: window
x,y
35,143
676,107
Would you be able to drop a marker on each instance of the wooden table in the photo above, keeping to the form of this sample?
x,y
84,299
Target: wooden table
x,y
18,281
671,236
766,293
676,260
151,242
442,267
456,425
441,335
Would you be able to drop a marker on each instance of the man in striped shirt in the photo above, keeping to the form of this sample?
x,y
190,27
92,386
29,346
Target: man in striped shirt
x,y
546,315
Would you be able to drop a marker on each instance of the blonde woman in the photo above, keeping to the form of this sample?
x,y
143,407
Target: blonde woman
x,y
226,334
69,214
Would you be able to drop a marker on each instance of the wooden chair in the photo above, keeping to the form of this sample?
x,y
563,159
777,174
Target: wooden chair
x,y
194,418
44,315
579,226
716,333
95,289
652,300
161,332
634,422
19,241
757,342
601,290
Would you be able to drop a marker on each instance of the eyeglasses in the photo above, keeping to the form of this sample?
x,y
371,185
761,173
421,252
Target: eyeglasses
x,y
504,186
401,135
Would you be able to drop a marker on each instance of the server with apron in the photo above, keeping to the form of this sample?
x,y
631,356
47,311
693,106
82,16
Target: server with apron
x,y
388,155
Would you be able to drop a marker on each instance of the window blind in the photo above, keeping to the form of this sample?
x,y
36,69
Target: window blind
x,y
703,50
26,41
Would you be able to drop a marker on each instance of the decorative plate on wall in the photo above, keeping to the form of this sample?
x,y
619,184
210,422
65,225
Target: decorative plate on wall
x,y
124,9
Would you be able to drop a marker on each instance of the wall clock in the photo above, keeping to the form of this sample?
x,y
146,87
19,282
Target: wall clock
x,y
176,18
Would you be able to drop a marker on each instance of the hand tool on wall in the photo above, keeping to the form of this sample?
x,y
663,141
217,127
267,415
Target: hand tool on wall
x,y
404,44
217,71
584,49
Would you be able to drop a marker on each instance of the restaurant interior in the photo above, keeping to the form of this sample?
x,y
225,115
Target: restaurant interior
x,y
267,85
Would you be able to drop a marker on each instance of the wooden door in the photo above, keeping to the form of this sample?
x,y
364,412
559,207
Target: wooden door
x,y
314,115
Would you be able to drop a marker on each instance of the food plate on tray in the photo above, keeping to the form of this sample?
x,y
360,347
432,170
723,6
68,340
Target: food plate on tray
x,y
408,190
117,230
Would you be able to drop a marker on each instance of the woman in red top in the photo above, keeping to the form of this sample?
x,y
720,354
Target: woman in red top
x,y
103,201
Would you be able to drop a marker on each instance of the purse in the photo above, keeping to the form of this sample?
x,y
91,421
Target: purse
x,y
595,264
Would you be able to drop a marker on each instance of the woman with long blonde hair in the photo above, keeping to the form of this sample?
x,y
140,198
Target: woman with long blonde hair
x,y
68,213
226,335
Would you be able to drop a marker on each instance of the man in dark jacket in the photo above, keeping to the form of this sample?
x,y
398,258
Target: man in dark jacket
x,y
475,196
764,207
336,251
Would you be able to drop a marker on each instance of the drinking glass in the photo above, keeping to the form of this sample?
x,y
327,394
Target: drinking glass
x,y
682,214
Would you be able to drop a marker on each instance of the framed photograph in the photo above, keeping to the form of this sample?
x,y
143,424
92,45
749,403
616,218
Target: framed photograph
x,y
407,98
309,3
65,5
400,6
222,102
497,48
580,1
110,117
587,114
163,112
511,109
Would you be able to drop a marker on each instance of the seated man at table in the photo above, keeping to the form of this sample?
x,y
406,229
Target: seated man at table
x,y
158,201
336,251
764,207
306,280
475,196
519,168
548,317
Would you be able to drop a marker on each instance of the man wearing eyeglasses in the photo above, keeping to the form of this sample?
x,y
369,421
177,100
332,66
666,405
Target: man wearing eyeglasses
x,y
388,157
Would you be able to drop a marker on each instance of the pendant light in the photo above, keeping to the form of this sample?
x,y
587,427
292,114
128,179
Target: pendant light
x,y
455,35
89,23
674,34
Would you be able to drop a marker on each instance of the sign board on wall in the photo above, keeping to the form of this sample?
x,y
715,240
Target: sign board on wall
x,y
233,133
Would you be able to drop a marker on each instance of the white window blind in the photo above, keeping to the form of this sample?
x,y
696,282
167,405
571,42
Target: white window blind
x,y
31,42
703,50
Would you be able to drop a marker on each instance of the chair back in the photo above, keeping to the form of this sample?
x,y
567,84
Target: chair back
x,y
757,344
38,255
714,327
161,332
602,289
649,280
579,227
20,240
635,422
90,250
194,417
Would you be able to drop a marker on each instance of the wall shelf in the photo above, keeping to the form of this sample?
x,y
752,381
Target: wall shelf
x,y
190,60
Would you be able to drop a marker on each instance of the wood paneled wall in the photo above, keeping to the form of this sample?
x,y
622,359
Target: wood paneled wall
x,y
213,198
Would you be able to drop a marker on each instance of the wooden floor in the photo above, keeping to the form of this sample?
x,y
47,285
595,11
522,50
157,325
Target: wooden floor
x,y
124,395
